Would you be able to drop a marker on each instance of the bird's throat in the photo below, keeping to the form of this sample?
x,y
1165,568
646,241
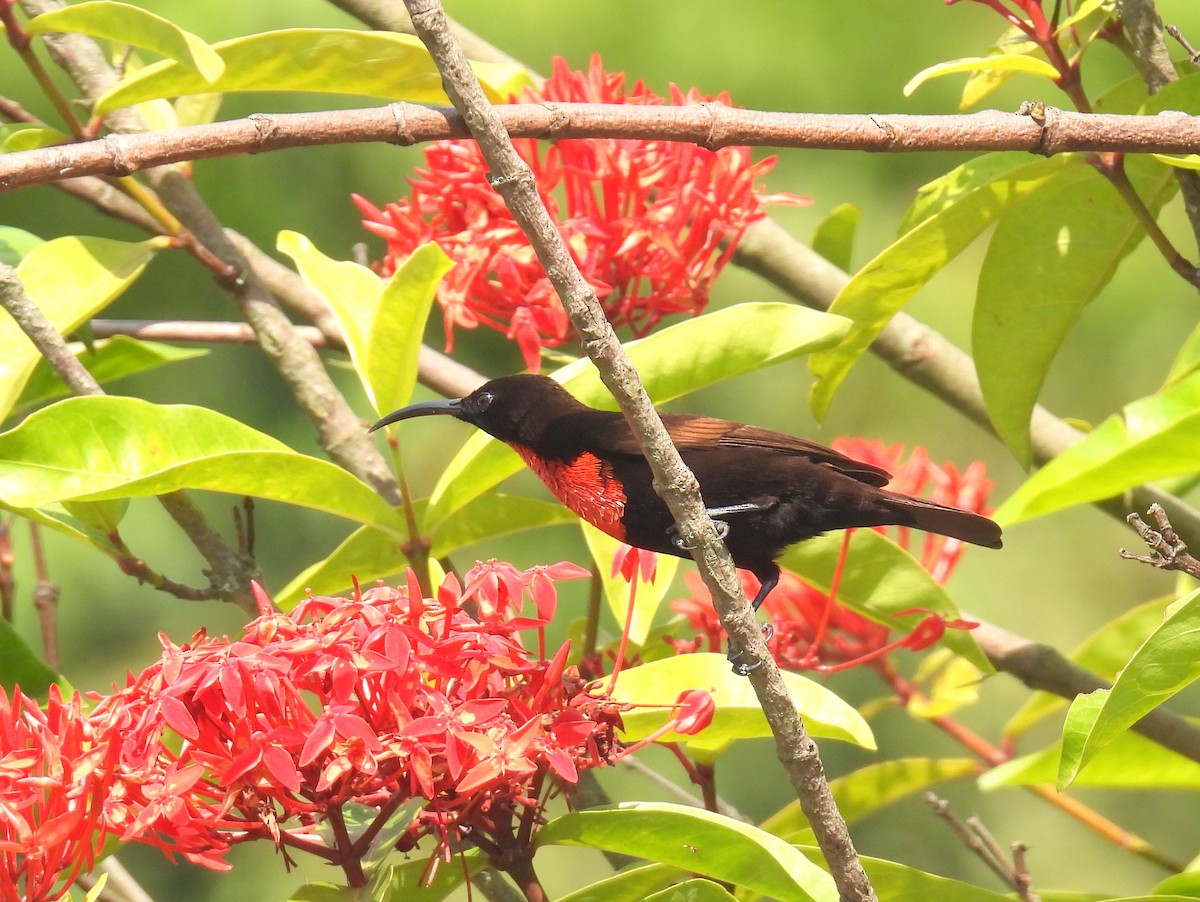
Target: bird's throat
x,y
585,484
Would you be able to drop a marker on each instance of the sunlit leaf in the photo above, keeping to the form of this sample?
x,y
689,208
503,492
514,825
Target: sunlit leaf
x,y
1103,653
834,235
862,792
982,82
135,26
1004,63
894,881
381,322
33,138
1049,257
700,841
322,60
98,448
967,204
1157,768
1166,662
1152,438
738,713
1191,161
720,345
107,360
630,885
70,279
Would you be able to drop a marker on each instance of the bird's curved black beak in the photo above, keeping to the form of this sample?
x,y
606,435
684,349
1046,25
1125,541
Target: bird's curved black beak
x,y
449,407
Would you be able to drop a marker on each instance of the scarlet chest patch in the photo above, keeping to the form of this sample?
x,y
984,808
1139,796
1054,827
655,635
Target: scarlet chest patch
x,y
585,484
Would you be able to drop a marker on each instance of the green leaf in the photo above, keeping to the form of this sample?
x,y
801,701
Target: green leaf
x,y
34,138
96,889
371,553
1102,653
20,666
1191,161
880,580
983,82
128,24
320,891
1066,240
1002,63
16,243
1151,439
861,793
107,360
881,288
694,890
632,885
103,447
699,841
738,712
1165,663
649,597
70,279
403,882
322,60
898,882
1129,761
382,322
834,236
722,344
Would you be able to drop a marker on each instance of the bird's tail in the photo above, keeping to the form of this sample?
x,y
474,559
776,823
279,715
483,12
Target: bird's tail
x,y
945,521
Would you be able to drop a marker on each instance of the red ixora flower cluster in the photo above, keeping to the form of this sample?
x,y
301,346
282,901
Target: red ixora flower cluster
x,y
814,632
374,701
650,223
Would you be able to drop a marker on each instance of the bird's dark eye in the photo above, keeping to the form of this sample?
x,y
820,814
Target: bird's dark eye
x,y
481,401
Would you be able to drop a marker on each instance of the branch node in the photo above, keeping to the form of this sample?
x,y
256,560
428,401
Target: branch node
x,y
559,119
711,140
404,133
265,129
121,166
1168,551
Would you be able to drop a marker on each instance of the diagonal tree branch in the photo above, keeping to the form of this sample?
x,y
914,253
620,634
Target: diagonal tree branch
x,y
674,483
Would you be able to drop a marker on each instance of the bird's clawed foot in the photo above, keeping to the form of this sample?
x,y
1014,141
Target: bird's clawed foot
x,y
743,664
721,525
678,542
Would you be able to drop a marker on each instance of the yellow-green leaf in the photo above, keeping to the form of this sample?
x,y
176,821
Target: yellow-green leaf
x,y
102,447
322,60
133,25
70,279
738,712
1004,63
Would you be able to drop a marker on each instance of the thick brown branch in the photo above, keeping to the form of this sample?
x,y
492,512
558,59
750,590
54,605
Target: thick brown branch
x,y
710,125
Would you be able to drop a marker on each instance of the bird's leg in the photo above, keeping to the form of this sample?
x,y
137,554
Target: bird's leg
x,y
721,525
768,578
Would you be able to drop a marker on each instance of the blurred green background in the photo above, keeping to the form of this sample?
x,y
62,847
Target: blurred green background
x,y
1056,580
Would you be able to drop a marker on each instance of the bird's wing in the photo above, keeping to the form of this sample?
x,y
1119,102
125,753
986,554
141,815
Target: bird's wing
x,y
709,433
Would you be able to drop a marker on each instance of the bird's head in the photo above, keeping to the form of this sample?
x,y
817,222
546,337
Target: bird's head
x,y
511,408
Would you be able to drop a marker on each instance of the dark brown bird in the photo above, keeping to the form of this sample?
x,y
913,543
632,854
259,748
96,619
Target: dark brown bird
x,y
764,489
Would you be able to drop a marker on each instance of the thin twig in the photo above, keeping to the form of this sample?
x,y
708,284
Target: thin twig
x,y
231,572
979,840
1168,551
